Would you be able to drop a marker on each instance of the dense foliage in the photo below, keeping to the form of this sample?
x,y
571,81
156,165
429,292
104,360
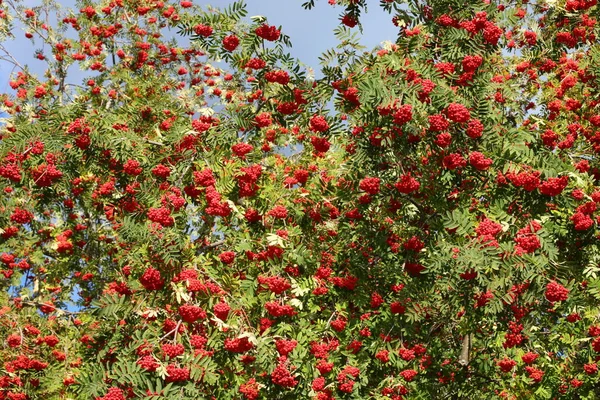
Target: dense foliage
x,y
201,218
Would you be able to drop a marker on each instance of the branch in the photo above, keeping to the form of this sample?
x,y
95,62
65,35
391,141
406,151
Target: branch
x,y
32,25
56,309
155,143
12,58
176,329
212,245
463,359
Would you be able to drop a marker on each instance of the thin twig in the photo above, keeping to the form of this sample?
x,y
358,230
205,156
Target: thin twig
x,y
329,320
171,331
14,60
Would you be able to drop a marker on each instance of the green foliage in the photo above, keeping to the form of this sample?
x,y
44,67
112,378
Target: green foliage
x,y
414,224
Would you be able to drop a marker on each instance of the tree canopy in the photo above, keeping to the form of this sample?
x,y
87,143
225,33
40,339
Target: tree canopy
x,y
202,218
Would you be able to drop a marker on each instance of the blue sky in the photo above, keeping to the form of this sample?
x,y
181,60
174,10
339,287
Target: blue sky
x,y
311,32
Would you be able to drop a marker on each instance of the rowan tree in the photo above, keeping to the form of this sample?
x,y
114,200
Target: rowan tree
x,y
200,217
